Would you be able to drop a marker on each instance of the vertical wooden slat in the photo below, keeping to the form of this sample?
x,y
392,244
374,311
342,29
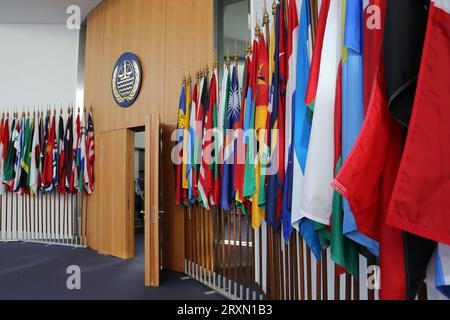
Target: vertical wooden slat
x,y
234,248
356,294
286,271
260,235
240,249
423,292
337,283
308,273
291,268
223,247
325,275
319,280
348,287
229,248
269,274
302,269
247,253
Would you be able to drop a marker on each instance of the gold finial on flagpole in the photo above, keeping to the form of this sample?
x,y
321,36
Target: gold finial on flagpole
x,y
274,8
266,17
216,62
257,30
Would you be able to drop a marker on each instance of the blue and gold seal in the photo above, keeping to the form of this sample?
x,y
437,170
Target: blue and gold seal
x,y
126,79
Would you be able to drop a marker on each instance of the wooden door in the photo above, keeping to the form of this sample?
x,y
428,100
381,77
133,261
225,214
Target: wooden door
x,y
152,217
116,223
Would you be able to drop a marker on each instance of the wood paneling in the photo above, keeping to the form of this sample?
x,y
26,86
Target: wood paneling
x,y
173,234
171,38
115,229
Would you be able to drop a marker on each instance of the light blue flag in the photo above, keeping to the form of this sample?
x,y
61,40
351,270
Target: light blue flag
x,y
302,132
443,269
353,106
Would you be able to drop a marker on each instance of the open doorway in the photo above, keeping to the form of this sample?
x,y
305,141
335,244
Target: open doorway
x,y
139,193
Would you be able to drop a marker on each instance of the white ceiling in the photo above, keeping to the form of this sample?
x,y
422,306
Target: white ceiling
x,y
42,11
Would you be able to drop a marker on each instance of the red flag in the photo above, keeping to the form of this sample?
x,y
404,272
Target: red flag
x,y
373,37
283,78
47,175
90,156
421,196
317,55
366,180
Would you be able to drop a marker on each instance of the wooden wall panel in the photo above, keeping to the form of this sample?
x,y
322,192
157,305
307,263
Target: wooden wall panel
x,y
93,86
171,38
115,229
173,235
189,46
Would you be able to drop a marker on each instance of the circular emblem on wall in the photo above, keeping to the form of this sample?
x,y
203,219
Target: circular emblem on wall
x,y
126,79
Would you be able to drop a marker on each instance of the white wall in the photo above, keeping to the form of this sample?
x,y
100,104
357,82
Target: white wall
x,y
38,65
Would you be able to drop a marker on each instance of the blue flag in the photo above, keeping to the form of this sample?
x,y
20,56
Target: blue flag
x,y
232,114
272,183
353,105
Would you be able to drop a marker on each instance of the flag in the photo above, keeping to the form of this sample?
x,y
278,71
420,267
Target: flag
x,y
90,157
180,131
232,117
56,153
18,159
276,141
201,142
317,197
82,158
187,118
68,152
34,172
374,15
240,167
186,144
353,105
198,138
76,156
292,56
61,156
425,218
366,180
2,148
261,102
214,189
47,175
9,168
191,145
311,91
209,172
403,47
25,160
248,114
442,268
223,103
301,132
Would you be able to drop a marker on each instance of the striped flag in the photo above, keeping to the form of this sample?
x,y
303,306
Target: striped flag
x,y
180,136
317,197
90,157
34,173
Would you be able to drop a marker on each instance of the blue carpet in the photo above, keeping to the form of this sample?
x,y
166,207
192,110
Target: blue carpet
x,y
34,271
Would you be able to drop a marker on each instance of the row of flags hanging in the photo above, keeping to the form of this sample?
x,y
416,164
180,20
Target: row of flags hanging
x,y
46,153
314,139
